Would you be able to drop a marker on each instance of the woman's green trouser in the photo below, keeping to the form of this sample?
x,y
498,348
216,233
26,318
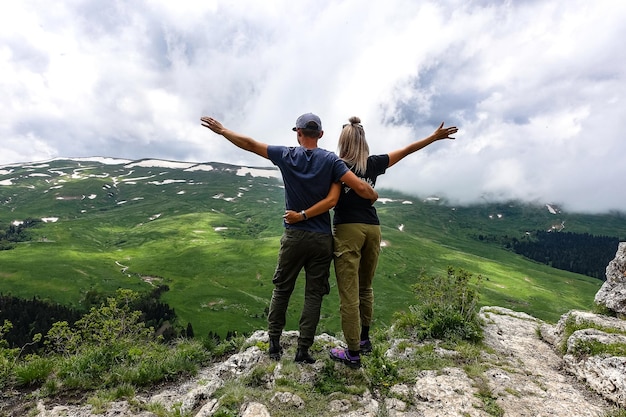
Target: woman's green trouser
x,y
356,251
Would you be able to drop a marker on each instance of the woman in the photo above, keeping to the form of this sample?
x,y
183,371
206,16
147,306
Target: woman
x,y
357,236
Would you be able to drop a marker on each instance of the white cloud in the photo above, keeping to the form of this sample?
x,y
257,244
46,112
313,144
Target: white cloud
x,y
536,87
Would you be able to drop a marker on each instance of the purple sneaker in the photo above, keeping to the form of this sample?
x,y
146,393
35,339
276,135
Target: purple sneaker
x,y
342,355
366,346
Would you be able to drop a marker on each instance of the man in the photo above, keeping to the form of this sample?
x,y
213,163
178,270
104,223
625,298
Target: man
x,y
308,173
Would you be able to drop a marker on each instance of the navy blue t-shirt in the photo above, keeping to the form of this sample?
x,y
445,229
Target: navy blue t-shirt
x,y
354,209
307,175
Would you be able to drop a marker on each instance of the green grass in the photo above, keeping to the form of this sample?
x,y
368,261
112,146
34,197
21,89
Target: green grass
x,y
109,355
220,280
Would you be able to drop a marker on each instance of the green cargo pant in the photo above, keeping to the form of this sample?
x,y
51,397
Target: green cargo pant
x,y
356,250
301,249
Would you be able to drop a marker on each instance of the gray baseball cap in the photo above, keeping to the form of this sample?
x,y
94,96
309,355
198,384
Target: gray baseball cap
x,y
308,121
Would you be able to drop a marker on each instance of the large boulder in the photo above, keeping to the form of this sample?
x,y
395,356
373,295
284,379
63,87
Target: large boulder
x,y
612,294
592,346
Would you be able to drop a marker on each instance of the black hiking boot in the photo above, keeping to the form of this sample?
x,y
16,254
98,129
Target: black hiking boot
x,y
275,350
302,355
366,347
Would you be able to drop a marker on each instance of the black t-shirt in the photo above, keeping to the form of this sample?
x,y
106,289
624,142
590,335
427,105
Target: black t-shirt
x,y
354,209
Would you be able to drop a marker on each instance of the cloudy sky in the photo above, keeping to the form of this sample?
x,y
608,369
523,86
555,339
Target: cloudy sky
x,y
536,87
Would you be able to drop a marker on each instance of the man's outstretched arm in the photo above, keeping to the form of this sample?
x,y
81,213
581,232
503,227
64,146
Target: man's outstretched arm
x,y
244,142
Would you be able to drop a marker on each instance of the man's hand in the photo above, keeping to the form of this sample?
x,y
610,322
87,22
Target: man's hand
x,y
212,124
237,139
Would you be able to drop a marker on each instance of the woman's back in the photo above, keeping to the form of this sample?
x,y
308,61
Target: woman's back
x,y
353,209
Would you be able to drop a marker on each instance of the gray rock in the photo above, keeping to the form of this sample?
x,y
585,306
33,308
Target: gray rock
x,y
254,410
612,294
527,375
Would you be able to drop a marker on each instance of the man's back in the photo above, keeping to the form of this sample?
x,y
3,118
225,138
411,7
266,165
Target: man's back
x,y
307,174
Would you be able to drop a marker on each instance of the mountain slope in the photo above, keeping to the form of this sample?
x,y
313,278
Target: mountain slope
x,y
210,232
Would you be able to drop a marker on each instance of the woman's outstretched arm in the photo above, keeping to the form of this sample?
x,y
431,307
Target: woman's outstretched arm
x,y
440,133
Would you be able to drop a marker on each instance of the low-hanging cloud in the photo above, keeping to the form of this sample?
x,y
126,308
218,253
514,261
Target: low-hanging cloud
x,y
534,87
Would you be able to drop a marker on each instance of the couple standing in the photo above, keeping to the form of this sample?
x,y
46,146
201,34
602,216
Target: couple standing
x,y
314,179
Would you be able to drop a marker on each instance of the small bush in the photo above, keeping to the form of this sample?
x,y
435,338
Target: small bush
x,y
6,369
33,370
603,310
447,308
228,346
335,377
258,377
110,346
126,363
231,397
383,372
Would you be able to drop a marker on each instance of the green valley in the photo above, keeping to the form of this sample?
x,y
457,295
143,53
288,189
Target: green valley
x,y
210,232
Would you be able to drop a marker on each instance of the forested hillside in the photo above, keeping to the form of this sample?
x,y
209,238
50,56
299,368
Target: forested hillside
x,y
581,253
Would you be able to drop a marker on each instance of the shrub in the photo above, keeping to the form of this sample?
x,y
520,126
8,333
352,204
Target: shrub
x,y
382,371
125,362
111,346
334,377
7,356
33,370
447,307
112,322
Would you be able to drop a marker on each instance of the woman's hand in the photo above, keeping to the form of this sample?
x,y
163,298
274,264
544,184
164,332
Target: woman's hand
x,y
444,132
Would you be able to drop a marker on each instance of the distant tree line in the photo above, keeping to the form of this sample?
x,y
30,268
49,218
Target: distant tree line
x,y
16,233
32,316
156,313
581,253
